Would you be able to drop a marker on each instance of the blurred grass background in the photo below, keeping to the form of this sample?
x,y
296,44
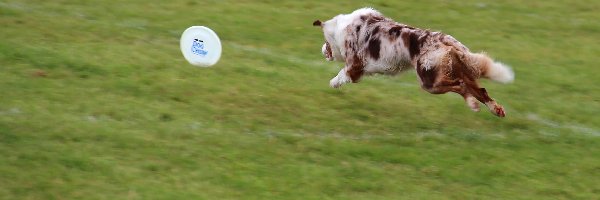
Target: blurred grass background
x,y
97,102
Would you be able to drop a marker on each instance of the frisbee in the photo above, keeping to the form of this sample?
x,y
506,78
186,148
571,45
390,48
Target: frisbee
x,y
200,46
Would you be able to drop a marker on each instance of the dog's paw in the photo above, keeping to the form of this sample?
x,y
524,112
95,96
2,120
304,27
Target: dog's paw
x,y
498,110
334,83
338,81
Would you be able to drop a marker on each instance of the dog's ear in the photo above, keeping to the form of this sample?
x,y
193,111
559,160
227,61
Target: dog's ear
x,y
317,23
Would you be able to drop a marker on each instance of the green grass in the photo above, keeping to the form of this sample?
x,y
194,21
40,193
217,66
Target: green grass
x,y
97,102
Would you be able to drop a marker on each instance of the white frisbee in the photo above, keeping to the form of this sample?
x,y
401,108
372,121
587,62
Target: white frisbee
x,y
200,46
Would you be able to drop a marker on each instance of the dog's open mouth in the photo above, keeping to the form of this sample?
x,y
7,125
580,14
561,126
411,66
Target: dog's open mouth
x,y
326,49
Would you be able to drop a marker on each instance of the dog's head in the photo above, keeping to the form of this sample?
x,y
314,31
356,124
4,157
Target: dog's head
x,y
328,28
335,32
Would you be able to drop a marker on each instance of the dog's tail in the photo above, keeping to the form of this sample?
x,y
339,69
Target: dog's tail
x,y
495,71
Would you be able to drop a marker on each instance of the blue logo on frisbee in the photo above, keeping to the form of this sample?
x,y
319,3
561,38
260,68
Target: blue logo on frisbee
x,y
198,48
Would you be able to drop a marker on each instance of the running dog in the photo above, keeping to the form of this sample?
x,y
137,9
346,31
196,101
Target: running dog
x,y
369,43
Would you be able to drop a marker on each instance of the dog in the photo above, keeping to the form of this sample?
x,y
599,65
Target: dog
x,y
369,43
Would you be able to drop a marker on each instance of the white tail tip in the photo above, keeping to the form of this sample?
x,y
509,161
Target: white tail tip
x,y
501,73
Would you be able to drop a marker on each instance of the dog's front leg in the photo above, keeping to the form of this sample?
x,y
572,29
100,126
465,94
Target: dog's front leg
x,y
353,70
341,78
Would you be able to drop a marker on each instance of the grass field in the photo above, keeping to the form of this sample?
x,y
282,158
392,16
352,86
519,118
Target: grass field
x,y
97,102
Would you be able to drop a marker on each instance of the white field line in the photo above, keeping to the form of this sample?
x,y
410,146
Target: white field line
x,y
578,128
582,130
334,135
12,111
14,6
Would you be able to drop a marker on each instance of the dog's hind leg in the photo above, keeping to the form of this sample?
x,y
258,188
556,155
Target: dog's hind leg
x,y
456,87
482,95
470,88
472,102
444,86
438,80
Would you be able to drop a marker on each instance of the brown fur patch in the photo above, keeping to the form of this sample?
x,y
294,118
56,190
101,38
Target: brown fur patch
x,y
411,40
374,48
414,46
328,50
486,97
356,69
395,32
422,39
405,38
374,19
375,31
460,69
428,77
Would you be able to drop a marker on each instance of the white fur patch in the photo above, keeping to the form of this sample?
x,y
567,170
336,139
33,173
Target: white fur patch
x,y
340,79
501,73
433,59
